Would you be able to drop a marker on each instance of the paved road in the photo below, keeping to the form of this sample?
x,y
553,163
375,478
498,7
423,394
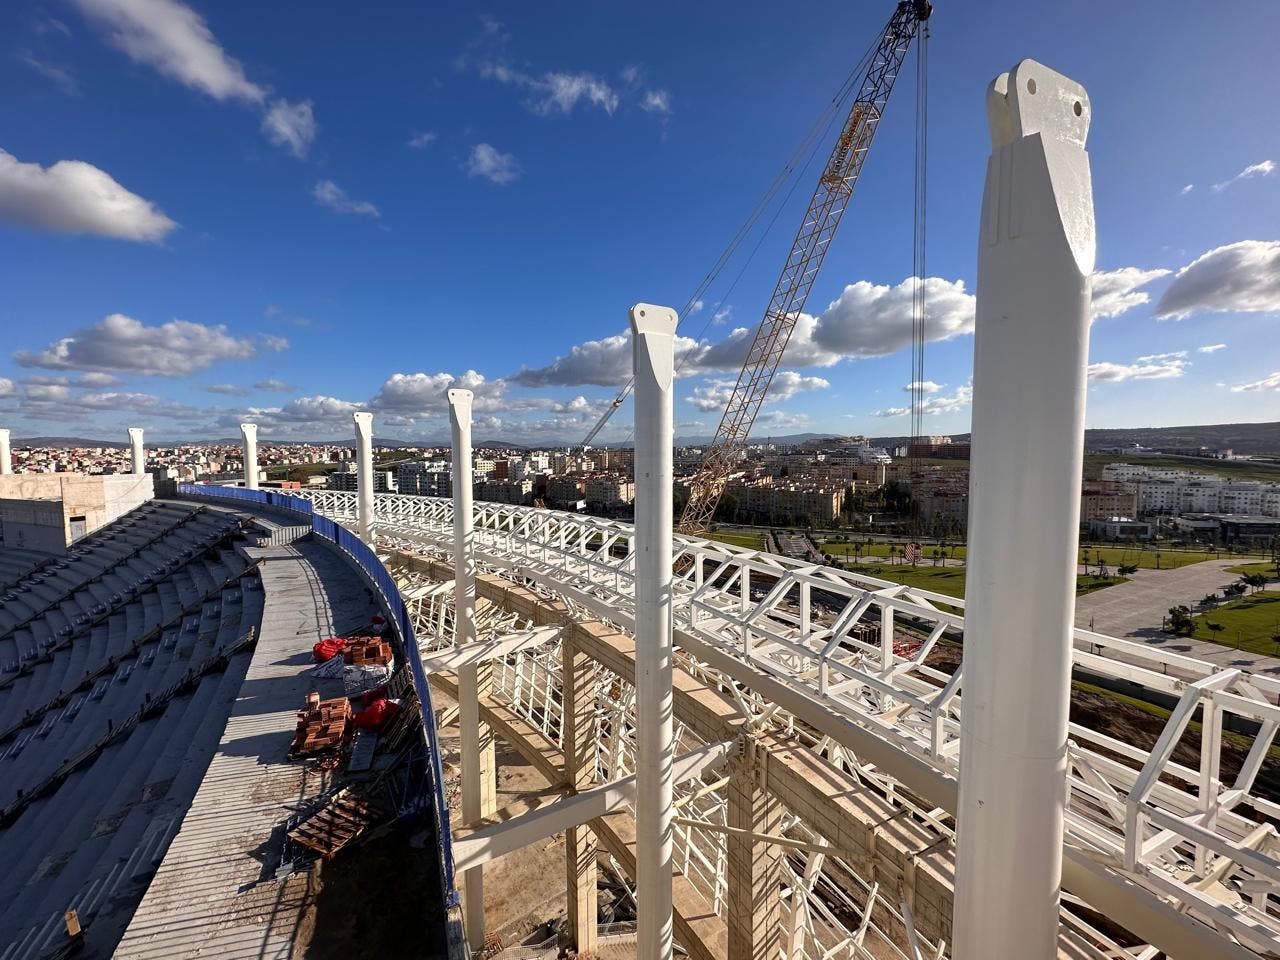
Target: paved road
x,y
1134,610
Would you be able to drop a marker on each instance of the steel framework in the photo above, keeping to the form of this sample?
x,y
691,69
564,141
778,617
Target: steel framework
x,y
1180,857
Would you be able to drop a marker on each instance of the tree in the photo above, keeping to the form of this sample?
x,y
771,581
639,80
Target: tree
x,y
1180,622
1127,569
1209,601
1217,628
1255,580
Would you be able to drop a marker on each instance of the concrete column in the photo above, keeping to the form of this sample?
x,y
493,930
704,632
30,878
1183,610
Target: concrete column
x,y
6,455
1035,257
364,475
249,439
653,339
478,761
754,868
577,683
139,454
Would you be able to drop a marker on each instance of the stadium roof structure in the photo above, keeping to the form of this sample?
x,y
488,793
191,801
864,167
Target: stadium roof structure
x,y
149,695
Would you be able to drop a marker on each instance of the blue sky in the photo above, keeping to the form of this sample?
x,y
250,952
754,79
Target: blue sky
x,y
286,212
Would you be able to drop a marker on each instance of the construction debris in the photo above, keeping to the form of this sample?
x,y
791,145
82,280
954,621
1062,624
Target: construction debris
x,y
346,815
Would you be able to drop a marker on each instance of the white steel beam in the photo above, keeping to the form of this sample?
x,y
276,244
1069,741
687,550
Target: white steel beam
x,y
497,840
364,475
477,653
6,455
653,338
1036,254
249,445
138,453
476,740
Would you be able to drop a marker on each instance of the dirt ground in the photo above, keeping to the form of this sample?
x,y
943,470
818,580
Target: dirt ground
x,y
379,899
524,890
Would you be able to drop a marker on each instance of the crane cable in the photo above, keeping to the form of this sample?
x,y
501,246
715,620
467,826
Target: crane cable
x,y
794,169
918,297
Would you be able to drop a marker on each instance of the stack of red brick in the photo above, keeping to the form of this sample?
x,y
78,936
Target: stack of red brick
x,y
322,724
367,650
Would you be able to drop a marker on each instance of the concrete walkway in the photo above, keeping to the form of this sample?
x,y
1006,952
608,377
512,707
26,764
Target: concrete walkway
x,y
1134,610
213,895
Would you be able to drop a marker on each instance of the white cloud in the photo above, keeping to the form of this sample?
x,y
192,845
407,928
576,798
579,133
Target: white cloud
x,y
933,405
1117,291
563,92
61,76
7,387
1262,169
274,343
605,363
291,125
117,342
715,394
1266,383
656,101
227,389
1239,277
925,386
420,140
491,163
423,394
1211,348
872,320
274,386
721,316
1159,366
72,196
867,320
696,307
175,40
329,194
1187,189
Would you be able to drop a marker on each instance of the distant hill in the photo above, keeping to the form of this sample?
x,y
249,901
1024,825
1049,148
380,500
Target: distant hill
x,y
1251,438
1246,438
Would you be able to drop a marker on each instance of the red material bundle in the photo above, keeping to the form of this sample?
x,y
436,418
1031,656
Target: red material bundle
x,y
376,716
370,697
327,649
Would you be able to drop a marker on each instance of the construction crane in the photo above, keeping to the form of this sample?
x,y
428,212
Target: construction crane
x,y
813,240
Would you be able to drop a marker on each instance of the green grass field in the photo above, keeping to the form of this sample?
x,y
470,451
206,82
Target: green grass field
x,y
1267,569
1148,558
749,540
1248,623
846,550
951,580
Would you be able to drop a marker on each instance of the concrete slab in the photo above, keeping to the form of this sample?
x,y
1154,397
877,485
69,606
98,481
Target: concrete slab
x,y
212,895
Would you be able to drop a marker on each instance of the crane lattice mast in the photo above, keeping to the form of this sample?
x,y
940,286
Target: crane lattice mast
x,y
813,239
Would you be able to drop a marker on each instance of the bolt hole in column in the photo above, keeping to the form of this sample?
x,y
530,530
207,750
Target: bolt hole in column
x,y
1031,85
1078,107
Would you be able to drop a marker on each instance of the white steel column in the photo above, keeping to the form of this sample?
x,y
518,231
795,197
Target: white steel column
x,y
364,475
139,454
653,341
249,439
477,747
1035,256
6,456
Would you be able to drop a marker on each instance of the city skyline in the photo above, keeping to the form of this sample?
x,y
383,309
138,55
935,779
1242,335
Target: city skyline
x,y
474,199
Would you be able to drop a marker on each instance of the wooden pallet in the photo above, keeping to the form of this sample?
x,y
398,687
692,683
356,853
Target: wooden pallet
x,y
341,820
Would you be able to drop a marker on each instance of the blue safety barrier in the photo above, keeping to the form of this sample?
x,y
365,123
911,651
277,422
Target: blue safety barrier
x,y
382,581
